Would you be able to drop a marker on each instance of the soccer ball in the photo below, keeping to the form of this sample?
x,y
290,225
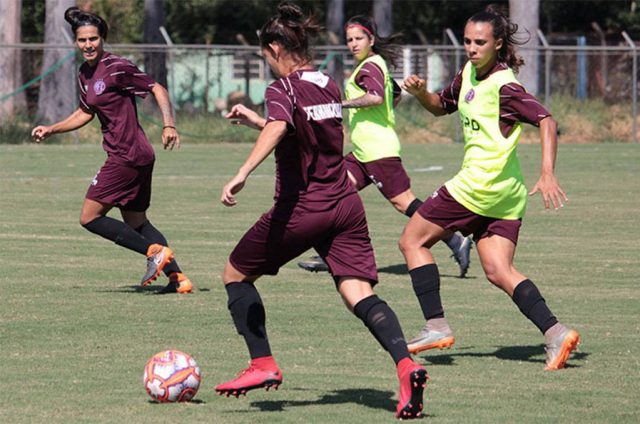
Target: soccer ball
x,y
171,376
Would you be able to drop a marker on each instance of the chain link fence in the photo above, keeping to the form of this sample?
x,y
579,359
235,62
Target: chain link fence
x,y
591,90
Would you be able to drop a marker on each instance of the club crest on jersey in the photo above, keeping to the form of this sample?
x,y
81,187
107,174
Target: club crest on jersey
x,y
469,96
99,87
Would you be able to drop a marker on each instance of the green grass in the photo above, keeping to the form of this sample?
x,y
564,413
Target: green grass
x,y
76,331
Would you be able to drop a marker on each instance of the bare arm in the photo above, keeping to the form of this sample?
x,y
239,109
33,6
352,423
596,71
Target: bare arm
x,y
76,120
417,87
170,137
242,115
547,184
366,100
268,139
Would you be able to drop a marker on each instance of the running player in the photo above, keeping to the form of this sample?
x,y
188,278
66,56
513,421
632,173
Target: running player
x,y
371,95
487,198
108,85
315,206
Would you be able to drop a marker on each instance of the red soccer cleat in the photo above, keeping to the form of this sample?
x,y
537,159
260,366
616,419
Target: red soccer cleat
x,y
251,378
413,380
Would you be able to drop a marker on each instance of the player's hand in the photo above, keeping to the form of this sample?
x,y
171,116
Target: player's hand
x,y
414,85
242,115
170,138
41,132
552,193
231,189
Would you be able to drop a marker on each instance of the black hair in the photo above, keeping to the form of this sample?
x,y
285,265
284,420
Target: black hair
x,y
290,28
386,47
505,30
78,18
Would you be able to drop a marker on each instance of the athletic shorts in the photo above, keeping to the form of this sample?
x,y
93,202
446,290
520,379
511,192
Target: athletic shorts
x,y
340,236
443,210
387,174
123,186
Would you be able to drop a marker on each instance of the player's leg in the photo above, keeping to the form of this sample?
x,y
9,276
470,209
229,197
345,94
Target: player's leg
x,y
418,236
263,249
93,218
383,324
496,255
248,314
178,282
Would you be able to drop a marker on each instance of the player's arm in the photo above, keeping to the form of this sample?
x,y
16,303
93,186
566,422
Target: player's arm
x,y
268,139
366,100
242,115
417,87
547,184
170,137
76,120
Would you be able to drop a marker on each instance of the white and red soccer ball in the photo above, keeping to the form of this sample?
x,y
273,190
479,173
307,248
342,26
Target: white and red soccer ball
x,y
171,376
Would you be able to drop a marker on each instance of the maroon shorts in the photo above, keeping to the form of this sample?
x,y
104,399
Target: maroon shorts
x,y
340,236
123,186
387,174
443,210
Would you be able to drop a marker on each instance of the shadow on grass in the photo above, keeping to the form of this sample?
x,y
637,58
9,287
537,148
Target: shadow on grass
x,y
371,398
193,401
401,269
147,290
507,353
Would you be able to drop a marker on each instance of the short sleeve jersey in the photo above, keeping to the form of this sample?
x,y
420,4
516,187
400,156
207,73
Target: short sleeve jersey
x,y
109,90
516,105
310,168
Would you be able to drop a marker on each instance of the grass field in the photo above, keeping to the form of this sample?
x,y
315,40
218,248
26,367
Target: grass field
x,y
76,330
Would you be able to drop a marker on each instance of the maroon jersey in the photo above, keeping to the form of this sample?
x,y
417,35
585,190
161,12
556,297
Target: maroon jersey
x,y
371,79
309,165
516,105
108,90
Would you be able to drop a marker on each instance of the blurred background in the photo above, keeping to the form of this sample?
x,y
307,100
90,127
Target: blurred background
x,y
581,59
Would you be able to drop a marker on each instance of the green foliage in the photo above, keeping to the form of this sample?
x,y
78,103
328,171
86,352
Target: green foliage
x,y
77,329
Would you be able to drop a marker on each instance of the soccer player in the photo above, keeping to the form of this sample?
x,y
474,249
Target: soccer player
x,y
371,95
316,206
108,85
487,198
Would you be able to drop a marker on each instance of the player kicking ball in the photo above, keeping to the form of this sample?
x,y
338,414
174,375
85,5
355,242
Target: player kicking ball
x,y
316,206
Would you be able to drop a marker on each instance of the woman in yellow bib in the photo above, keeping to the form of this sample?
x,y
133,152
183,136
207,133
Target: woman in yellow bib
x,y
487,198
371,95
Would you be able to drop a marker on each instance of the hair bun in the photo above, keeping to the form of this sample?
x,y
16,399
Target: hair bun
x,y
72,14
290,11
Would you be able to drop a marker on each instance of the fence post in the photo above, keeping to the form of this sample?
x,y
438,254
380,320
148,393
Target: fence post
x,y
634,85
547,69
457,46
167,39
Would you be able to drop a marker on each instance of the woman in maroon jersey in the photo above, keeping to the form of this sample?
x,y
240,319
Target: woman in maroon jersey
x,y
108,85
316,206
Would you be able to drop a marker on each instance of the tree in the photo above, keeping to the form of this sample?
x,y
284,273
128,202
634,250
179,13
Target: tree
x,y
10,61
155,61
382,13
57,97
527,16
335,25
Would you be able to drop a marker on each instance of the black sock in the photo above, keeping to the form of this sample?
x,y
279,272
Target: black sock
x,y
119,233
383,324
531,303
426,286
413,207
249,317
152,234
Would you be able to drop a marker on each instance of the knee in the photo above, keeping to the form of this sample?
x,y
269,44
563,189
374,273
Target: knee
x,y
86,219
